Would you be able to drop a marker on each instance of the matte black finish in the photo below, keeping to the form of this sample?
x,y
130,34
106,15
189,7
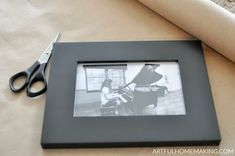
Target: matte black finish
x,y
198,127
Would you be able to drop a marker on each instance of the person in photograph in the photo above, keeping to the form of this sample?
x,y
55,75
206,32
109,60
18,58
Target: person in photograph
x,y
106,92
111,101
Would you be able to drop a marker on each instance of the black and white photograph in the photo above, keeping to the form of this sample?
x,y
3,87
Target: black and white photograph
x,y
128,89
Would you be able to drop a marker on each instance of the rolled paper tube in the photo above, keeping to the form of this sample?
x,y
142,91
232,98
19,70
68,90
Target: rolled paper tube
x,y
204,19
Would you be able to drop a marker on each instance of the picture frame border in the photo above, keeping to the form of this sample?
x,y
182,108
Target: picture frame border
x,y
198,127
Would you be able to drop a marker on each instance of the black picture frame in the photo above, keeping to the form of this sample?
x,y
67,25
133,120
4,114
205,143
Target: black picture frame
x,y
61,130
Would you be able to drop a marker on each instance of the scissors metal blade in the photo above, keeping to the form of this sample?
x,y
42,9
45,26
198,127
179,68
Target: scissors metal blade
x,y
47,52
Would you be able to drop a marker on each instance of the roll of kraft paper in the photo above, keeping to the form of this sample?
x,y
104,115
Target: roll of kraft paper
x,y
204,19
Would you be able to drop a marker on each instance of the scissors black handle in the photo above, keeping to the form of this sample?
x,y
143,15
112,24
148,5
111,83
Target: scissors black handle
x,y
34,74
26,74
38,76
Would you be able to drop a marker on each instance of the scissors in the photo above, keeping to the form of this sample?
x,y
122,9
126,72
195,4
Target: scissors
x,y
34,74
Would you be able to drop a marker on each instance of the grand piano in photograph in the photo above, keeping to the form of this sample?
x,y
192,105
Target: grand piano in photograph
x,y
133,101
